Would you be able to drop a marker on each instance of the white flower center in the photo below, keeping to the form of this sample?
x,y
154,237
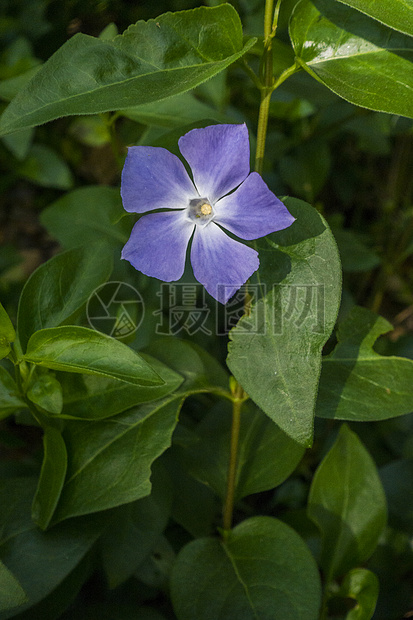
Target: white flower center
x,y
200,211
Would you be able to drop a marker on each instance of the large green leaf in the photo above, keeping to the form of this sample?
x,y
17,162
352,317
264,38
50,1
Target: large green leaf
x,y
266,455
264,571
359,59
282,339
93,397
151,61
348,504
397,14
79,349
86,215
40,561
58,288
357,383
110,460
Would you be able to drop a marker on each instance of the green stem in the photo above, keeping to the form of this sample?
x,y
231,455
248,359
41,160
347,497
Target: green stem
x,y
267,80
239,398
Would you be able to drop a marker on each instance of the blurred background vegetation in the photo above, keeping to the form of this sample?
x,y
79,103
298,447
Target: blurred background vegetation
x,y
352,164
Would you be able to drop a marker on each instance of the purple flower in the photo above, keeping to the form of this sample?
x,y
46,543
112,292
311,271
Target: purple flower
x,y
153,178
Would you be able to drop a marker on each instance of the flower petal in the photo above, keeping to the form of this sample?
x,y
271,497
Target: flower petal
x,y
221,264
252,211
154,178
219,156
157,245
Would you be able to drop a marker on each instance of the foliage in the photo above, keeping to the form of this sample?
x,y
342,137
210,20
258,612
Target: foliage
x,y
162,455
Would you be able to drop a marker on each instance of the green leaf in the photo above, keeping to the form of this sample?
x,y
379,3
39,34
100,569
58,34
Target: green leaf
x,y
52,477
45,391
397,14
356,382
110,460
60,287
49,557
79,349
10,398
348,504
151,61
92,397
72,225
263,569
359,59
361,585
46,168
266,455
283,337
7,333
11,592
136,530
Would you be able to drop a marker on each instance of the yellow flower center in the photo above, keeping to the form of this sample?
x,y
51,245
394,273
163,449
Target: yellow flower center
x,y
206,209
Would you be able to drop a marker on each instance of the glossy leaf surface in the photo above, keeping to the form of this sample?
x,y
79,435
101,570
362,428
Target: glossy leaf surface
x,y
397,14
356,382
348,504
148,62
79,349
282,339
264,566
359,59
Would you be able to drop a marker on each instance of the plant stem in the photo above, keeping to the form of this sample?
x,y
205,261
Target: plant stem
x,y
266,86
267,79
239,398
